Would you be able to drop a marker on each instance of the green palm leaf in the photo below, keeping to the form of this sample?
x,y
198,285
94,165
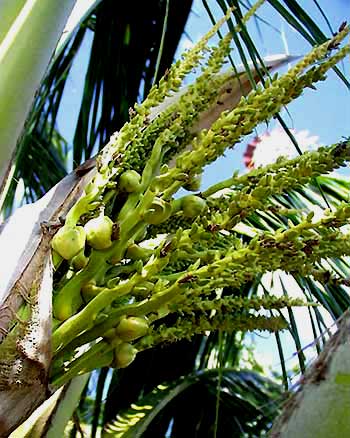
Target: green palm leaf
x,y
132,42
187,404
327,287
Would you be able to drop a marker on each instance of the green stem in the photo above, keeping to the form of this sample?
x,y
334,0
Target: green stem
x,y
161,46
85,319
81,207
135,215
227,183
75,332
98,356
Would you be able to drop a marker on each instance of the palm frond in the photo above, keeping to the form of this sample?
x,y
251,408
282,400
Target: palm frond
x,y
303,23
110,89
245,407
327,287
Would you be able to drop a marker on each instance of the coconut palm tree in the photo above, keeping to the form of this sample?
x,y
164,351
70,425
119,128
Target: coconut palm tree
x,y
128,52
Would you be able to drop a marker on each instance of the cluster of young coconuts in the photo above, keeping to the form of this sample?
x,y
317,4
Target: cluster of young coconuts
x,y
70,242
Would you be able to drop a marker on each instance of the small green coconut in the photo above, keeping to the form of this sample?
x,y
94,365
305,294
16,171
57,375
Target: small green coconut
x,y
99,232
69,241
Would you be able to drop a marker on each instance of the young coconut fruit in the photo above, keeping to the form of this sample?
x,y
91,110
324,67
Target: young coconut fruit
x,y
69,241
130,181
124,354
158,212
99,232
131,328
193,206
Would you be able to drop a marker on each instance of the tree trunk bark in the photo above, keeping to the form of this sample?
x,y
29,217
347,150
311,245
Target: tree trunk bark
x,y
26,277
320,408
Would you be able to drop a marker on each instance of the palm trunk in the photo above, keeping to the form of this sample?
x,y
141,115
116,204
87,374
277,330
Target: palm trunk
x,y
26,352
320,407
29,32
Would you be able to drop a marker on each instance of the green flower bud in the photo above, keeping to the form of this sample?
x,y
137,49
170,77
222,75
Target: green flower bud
x,y
194,183
89,187
193,206
111,337
80,261
124,354
130,181
69,241
136,252
143,290
109,334
290,234
158,212
131,328
99,232
260,192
